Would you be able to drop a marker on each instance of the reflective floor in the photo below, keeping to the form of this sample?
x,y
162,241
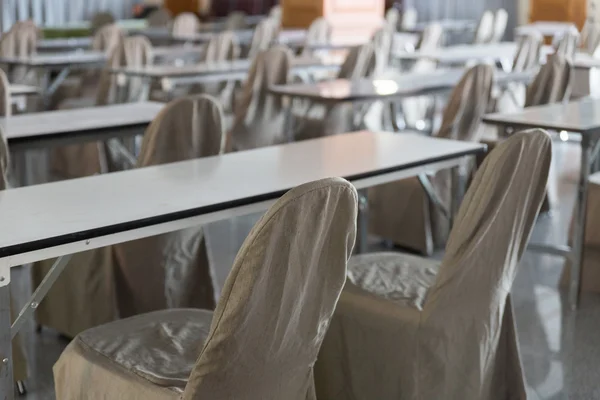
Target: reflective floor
x,y
560,349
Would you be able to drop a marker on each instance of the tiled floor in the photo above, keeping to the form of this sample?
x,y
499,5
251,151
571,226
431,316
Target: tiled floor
x,y
560,349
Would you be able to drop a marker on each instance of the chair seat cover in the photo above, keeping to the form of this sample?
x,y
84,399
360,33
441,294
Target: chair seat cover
x,y
134,358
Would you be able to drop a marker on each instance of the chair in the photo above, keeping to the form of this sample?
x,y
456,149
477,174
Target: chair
x,y
263,338
137,52
100,20
185,24
552,84
259,118
412,328
20,41
566,42
383,40
319,32
485,28
236,21
169,270
409,19
500,21
265,34
275,14
160,18
404,211
392,18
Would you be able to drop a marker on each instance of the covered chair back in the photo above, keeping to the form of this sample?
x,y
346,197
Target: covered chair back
x,y
20,41
5,99
392,18
185,24
359,63
409,19
552,84
319,32
235,21
382,41
100,20
528,52
279,297
264,35
566,42
137,52
160,18
485,28
221,47
171,270
259,120
590,36
107,39
432,36
500,21
464,314
276,14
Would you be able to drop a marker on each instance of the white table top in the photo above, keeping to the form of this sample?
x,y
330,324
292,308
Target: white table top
x,y
244,36
463,53
24,130
579,116
78,58
63,44
409,84
23,90
449,25
546,28
176,51
59,213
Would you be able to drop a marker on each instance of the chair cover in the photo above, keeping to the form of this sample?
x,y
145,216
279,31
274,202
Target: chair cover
x,y
276,14
590,36
382,41
566,42
552,84
160,18
164,271
265,34
410,328
432,37
107,38
260,118
319,32
500,21
100,20
5,111
185,24
137,52
236,21
392,18
485,28
401,211
409,19
20,41
266,330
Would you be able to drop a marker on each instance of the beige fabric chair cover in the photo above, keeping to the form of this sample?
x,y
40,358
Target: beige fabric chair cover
x,y
552,84
276,14
164,271
265,34
319,32
485,28
401,211
160,18
566,43
236,21
432,37
20,41
100,20
5,108
185,24
259,119
410,328
392,18
409,19
266,330
500,21
137,51
107,38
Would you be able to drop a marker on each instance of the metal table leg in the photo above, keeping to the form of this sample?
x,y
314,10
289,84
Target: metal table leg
x,y
579,227
6,373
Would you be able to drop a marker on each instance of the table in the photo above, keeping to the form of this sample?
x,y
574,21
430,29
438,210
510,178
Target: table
x,y
64,44
448,25
582,117
546,28
62,62
82,214
62,127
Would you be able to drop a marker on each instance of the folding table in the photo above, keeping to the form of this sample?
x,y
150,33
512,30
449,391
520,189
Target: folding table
x,y
582,117
62,218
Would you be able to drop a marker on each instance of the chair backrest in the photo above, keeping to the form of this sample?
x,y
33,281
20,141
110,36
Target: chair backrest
x,y
20,40
276,13
186,128
257,121
382,41
137,52
236,20
500,21
360,62
221,47
185,24
160,18
4,161
566,42
552,84
279,297
319,32
432,37
409,18
392,18
485,28
100,20
528,52
490,233
265,34
107,39
5,99
467,104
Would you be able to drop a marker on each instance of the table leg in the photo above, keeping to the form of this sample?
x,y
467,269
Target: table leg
x,y
580,220
288,123
362,223
6,361
49,88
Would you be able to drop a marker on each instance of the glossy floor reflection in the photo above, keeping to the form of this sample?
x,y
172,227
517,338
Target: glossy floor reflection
x,y
560,349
